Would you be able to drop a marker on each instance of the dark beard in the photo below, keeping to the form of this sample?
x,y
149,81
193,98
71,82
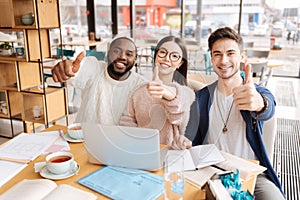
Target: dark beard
x,y
115,73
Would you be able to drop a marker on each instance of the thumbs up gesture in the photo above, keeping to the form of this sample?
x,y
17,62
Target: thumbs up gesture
x,y
245,96
66,69
157,87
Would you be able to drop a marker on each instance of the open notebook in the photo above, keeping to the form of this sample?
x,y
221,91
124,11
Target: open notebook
x,y
123,146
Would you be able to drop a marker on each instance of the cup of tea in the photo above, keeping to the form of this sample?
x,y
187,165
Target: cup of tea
x,y
75,131
60,162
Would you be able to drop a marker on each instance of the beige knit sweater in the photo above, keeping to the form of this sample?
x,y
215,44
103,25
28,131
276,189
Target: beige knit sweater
x,y
166,116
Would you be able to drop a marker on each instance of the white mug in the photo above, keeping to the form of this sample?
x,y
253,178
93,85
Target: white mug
x,y
37,112
60,162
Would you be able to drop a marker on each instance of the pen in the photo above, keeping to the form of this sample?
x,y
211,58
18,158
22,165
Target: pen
x,y
61,134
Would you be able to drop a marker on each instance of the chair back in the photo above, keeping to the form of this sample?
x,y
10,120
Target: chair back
x,y
100,55
64,52
208,63
260,70
257,53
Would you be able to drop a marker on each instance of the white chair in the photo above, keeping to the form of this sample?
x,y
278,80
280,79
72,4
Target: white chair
x,y
260,70
269,134
257,53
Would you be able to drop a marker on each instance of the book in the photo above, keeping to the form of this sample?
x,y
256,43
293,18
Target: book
x,y
16,153
218,190
26,147
199,177
44,189
199,156
124,183
247,168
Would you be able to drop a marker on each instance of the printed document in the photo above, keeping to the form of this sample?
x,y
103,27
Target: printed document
x,y
26,147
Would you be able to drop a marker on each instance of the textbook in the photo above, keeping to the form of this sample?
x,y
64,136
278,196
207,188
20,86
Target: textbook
x,y
199,156
44,189
124,183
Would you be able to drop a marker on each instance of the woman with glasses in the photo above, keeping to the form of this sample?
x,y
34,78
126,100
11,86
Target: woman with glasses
x,y
164,103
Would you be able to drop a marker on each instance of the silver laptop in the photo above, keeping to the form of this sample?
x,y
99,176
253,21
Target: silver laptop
x,y
123,146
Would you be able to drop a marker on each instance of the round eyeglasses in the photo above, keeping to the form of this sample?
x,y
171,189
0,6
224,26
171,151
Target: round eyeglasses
x,y
174,56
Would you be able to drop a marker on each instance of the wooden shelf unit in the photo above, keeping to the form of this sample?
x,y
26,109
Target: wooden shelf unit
x,y
45,13
22,84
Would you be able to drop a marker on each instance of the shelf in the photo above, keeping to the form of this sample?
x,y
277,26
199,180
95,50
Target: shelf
x,y
31,40
12,58
16,103
8,87
21,78
8,75
47,13
55,104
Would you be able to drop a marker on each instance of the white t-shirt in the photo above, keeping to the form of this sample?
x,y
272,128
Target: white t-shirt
x,y
233,141
103,98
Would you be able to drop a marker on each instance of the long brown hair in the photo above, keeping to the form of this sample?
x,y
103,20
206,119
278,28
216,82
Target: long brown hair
x,y
180,73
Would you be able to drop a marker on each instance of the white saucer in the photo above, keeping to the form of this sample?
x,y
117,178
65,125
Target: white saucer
x,y
70,139
45,173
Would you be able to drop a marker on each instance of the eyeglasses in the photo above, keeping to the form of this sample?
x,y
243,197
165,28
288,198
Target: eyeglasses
x,y
174,56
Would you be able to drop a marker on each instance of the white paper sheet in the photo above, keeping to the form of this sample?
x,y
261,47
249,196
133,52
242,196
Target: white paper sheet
x,y
8,170
26,147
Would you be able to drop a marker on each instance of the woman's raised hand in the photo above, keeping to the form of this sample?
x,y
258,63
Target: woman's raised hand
x,y
158,89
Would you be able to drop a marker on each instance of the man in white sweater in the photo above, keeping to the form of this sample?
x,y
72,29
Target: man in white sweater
x,y
105,87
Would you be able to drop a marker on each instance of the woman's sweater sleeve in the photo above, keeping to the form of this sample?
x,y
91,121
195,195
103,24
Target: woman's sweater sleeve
x,y
128,118
178,109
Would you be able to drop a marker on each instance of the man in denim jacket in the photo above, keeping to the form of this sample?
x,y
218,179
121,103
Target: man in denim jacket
x,y
233,109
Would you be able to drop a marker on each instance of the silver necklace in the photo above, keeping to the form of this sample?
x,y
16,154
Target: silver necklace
x,y
225,129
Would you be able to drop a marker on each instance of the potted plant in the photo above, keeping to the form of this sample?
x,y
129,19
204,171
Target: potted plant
x,y
6,49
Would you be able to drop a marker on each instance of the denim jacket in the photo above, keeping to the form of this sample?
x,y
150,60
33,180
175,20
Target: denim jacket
x,y
254,125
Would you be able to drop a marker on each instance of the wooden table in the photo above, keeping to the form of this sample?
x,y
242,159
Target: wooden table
x,y
264,49
80,155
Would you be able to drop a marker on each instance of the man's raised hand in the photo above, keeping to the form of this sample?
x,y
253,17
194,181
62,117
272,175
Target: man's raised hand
x,y
66,69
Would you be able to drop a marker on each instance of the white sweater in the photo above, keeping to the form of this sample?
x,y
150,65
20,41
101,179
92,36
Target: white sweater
x,y
103,98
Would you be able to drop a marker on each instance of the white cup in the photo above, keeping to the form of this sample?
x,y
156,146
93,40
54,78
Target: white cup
x,y
174,177
60,162
75,131
37,112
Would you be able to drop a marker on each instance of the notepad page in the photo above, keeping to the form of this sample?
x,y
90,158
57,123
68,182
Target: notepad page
x,y
29,190
9,169
69,192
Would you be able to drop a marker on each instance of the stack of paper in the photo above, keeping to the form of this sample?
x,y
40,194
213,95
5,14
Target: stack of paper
x,y
17,152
